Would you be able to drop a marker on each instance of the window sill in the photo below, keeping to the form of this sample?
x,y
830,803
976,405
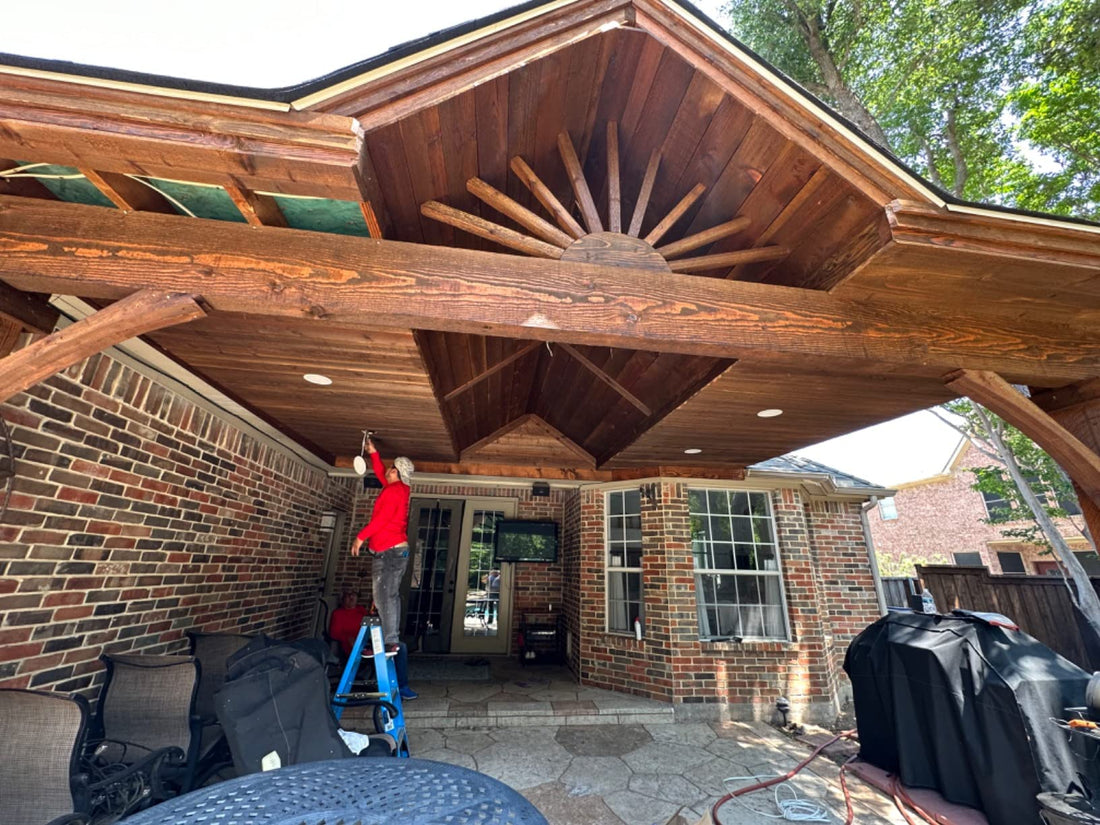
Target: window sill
x,y
777,645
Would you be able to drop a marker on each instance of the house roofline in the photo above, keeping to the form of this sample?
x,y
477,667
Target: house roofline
x,y
296,96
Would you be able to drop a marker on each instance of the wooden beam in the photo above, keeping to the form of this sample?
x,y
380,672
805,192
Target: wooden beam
x,y
991,391
607,379
93,252
725,259
136,314
493,370
112,131
29,310
517,212
675,214
1084,393
9,335
127,193
471,468
489,230
257,209
635,230
715,233
580,186
614,194
544,196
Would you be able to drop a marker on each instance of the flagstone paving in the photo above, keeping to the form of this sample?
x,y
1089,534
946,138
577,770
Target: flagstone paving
x,y
585,756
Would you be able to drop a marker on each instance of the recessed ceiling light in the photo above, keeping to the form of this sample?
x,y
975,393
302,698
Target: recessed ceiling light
x,y
692,451
316,378
772,413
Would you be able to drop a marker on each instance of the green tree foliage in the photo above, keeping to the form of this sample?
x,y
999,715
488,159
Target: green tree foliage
x,y
967,92
905,564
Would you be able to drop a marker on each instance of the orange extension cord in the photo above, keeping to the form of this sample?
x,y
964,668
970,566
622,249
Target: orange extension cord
x,y
899,794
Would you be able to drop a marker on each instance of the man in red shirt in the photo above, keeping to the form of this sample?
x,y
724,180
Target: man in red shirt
x,y
386,536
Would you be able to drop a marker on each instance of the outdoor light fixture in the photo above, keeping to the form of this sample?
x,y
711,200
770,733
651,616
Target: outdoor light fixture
x,y
540,489
359,462
317,378
328,521
772,413
692,451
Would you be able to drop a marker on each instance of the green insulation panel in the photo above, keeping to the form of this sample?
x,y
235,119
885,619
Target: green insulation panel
x,y
211,202
323,215
68,184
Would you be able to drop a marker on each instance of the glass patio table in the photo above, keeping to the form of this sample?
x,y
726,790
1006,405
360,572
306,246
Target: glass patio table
x,y
371,791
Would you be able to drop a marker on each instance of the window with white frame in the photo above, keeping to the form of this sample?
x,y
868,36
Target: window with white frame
x,y
738,582
888,509
624,560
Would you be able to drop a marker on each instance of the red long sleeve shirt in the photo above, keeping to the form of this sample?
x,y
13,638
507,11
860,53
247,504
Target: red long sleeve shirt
x,y
389,520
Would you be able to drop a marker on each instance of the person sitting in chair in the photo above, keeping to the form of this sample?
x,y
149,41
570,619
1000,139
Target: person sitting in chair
x,y
346,621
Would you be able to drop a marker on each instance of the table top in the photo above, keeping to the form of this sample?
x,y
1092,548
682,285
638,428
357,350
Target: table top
x,y
366,790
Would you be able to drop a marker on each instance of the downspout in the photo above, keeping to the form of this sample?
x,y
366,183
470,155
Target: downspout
x,y
875,577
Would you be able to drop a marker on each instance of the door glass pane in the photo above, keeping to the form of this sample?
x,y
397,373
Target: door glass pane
x,y
429,571
481,617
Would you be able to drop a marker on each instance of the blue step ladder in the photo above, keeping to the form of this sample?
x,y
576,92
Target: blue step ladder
x,y
388,690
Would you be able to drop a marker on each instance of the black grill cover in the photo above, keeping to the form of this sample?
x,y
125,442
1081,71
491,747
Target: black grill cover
x,y
964,707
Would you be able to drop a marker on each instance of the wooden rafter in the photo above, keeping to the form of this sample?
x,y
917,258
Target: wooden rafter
x,y
90,252
517,212
257,209
614,193
136,314
666,223
992,391
625,439
607,379
580,185
128,194
640,206
493,370
489,230
29,310
700,239
544,196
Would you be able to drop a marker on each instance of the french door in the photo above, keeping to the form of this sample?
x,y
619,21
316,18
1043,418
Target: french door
x,y
482,591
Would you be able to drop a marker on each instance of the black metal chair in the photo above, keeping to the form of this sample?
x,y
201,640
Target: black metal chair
x,y
212,650
146,735
42,735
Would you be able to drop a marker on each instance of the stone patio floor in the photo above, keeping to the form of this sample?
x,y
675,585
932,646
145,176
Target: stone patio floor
x,y
585,756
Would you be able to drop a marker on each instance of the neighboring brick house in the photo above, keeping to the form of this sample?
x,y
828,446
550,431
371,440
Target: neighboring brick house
x,y
940,519
139,512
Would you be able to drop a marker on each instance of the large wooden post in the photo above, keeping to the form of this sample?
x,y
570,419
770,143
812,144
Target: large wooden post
x,y
1077,408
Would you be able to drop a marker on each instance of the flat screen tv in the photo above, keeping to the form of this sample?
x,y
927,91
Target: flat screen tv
x,y
518,540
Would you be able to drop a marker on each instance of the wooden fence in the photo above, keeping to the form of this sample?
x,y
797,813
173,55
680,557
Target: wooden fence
x,y
896,590
1040,605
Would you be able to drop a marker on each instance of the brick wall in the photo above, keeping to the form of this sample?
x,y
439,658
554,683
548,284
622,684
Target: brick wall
x,y
830,598
939,517
137,515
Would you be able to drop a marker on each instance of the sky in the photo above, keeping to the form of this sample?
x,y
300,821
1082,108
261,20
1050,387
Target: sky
x,y
278,43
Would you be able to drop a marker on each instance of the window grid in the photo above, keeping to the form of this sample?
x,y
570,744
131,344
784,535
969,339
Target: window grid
x,y
624,560
739,583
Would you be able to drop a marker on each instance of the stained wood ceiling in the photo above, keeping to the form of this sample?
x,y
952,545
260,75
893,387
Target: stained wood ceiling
x,y
848,221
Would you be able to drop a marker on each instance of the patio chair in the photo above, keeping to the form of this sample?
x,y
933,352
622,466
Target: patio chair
x,y
212,650
145,731
42,735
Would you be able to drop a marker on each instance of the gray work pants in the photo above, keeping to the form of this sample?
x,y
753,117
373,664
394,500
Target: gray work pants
x,y
387,570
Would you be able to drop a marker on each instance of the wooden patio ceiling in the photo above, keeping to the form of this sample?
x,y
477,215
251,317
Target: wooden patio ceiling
x,y
835,285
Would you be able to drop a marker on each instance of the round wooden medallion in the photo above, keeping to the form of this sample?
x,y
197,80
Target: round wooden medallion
x,y
615,249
